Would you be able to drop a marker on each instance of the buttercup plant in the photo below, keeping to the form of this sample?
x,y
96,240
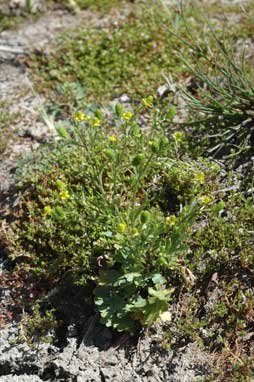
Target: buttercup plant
x,y
96,201
118,205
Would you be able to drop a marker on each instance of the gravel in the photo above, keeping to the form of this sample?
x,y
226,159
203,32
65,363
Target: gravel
x,y
90,363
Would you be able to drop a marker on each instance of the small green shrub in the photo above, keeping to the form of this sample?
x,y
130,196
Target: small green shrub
x,y
217,311
94,207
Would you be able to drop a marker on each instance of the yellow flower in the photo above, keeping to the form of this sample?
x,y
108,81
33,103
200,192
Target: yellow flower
x,y
79,116
135,232
64,195
47,210
148,102
127,115
205,199
178,136
121,227
171,220
112,138
96,122
200,177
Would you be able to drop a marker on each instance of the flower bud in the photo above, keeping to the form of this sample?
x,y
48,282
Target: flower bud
x,y
63,132
59,213
47,210
99,114
110,153
155,147
119,110
171,220
171,112
164,143
144,217
137,160
135,129
60,185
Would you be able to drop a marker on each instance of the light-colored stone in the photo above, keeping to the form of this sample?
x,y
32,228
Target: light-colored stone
x,y
17,7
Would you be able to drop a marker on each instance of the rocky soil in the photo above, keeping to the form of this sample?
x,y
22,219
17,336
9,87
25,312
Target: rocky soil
x,y
91,362
98,355
16,88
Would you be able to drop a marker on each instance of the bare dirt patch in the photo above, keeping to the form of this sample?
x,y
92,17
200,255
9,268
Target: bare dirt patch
x,y
16,88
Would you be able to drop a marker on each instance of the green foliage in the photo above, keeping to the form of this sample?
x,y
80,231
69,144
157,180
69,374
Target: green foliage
x,y
135,55
121,305
220,313
37,325
6,120
130,57
102,217
218,310
146,254
121,208
101,5
222,104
